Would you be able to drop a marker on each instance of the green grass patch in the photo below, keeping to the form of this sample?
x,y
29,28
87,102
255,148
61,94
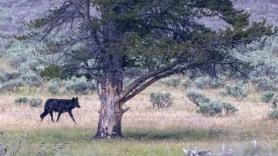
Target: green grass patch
x,y
77,141
138,142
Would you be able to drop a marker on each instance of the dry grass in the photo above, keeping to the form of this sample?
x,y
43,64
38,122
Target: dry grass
x,y
149,131
250,120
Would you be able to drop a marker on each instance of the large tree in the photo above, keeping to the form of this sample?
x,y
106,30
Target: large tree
x,y
110,40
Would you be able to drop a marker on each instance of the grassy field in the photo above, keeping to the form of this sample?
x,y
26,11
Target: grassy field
x,y
148,131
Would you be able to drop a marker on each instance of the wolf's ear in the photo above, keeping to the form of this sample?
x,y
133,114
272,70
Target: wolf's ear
x,y
76,98
73,99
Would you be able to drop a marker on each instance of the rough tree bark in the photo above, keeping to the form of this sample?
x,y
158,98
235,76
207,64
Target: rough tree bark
x,y
110,113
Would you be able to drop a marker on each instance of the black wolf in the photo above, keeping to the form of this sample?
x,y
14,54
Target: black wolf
x,y
60,106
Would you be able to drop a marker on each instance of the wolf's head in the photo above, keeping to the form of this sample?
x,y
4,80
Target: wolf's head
x,y
75,102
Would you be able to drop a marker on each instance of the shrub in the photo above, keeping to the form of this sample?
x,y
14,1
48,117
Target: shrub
x,y
274,101
171,82
21,100
264,76
229,108
79,85
161,100
12,85
51,72
267,97
35,102
197,98
53,87
273,114
31,79
186,83
211,108
208,82
236,90
266,84
4,77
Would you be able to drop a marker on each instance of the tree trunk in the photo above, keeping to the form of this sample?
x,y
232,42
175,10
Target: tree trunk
x,y
110,113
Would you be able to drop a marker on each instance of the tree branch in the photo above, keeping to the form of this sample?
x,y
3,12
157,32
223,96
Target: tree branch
x,y
145,77
155,78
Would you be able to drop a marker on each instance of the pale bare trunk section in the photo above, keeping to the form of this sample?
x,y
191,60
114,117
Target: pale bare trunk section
x,y
110,114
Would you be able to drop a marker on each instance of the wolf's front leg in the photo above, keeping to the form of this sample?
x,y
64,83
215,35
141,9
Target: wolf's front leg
x,y
70,113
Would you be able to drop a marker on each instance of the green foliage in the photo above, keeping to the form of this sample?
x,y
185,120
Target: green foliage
x,y
51,72
79,85
267,97
236,90
150,34
161,100
197,98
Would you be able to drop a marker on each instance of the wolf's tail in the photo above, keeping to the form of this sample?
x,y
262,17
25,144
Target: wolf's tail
x,y
43,114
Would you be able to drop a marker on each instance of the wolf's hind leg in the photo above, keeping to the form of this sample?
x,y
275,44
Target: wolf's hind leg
x,y
51,114
58,116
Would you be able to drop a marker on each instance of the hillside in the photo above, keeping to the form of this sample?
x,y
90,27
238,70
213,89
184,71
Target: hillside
x,y
13,15
260,9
